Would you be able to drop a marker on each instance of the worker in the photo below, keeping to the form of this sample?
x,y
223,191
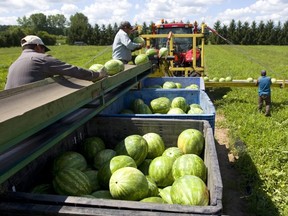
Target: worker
x,y
34,64
123,46
264,92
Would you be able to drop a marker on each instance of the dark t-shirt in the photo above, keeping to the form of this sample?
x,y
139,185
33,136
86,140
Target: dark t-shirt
x,y
264,84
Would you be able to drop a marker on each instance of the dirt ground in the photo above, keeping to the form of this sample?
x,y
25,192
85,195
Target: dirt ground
x,y
233,199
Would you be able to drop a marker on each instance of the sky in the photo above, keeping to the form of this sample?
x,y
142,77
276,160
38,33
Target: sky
x,y
113,11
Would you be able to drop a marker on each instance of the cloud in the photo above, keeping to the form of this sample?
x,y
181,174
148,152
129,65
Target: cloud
x,y
111,11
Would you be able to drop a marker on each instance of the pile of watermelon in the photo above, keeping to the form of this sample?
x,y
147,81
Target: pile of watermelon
x,y
163,105
175,85
138,168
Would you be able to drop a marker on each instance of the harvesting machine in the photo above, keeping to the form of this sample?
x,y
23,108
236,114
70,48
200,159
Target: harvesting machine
x,y
186,43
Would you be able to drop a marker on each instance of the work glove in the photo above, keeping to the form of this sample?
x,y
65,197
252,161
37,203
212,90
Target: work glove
x,y
100,74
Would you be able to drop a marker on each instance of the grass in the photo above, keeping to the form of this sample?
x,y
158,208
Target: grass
x,y
260,142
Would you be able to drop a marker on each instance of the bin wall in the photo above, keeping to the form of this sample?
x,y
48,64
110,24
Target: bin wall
x,y
112,133
185,81
198,97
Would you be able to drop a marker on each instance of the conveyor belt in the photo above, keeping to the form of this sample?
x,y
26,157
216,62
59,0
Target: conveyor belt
x,y
26,110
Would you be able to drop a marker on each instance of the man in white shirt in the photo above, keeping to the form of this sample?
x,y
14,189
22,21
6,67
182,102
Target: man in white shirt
x,y
123,46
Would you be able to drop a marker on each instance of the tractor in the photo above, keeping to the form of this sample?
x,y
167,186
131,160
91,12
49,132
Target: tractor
x,y
185,44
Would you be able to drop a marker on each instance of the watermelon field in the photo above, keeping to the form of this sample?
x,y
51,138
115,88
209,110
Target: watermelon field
x,y
259,144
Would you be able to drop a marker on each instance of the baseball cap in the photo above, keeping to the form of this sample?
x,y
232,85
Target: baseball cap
x,y
32,39
125,24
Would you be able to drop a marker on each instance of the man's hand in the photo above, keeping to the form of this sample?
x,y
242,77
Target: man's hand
x,y
100,74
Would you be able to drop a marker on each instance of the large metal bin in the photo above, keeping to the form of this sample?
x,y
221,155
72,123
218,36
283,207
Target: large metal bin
x,y
198,97
16,199
149,82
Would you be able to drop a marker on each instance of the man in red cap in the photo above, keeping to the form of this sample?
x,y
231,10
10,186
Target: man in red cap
x,y
264,92
34,64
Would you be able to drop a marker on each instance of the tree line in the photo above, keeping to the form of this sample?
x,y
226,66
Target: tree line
x,y
55,28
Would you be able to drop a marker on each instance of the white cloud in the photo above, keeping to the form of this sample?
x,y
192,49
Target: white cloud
x,y
111,11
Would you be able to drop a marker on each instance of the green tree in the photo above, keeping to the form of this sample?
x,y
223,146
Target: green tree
x,y
232,35
56,24
79,29
38,22
284,34
246,35
103,35
109,35
253,33
261,36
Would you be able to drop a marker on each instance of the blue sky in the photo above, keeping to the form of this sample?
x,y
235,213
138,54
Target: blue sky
x,y
113,11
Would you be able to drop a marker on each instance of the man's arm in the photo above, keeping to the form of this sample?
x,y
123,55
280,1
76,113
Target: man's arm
x,y
57,67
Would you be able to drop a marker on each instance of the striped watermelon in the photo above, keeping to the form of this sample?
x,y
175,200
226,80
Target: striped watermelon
x,y
72,182
69,159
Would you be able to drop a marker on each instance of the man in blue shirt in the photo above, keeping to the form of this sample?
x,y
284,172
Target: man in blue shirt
x,y
123,46
264,92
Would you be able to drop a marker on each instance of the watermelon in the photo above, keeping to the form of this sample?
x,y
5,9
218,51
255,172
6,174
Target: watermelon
x,y
160,105
195,105
143,109
165,194
189,190
169,85
151,52
43,189
179,102
102,156
222,79
192,86
173,152
176,111
250,79
206,79
189,164
113,67
144,166
153,200
102,194
141,59
136,104
134,146
160,170
109,167
163,52
155,143
191,141
69,159
96,67
71,182
128,183
228,79
152,187
139,40
195,110
178,85
91,146
93,178
154,86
